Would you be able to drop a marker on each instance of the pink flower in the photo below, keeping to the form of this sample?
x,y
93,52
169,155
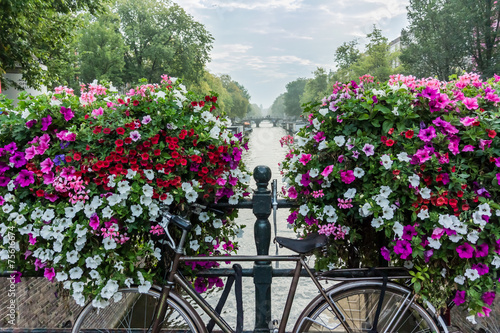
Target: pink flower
x,y
221,181
483,143
385,253
305,158
328,170
46,165
488,297
427,134
320,136
437,233
49,273
470,103
48,178
368,149
459,297
292,193
403,248
468,121
347,176
94,221
486,312
453,146
25,178
97,112
468,148
465,251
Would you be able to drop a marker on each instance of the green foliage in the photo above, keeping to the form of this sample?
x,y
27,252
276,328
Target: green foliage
x,y
39,32
294,92
278,107
162,38
317,87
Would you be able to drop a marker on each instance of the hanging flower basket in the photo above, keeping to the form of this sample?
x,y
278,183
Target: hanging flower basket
x,y
82,180
409,170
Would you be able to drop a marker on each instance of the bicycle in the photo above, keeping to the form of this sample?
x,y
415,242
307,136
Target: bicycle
x,y
365,300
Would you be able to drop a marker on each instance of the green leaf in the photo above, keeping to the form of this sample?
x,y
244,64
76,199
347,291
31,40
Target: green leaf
x,y
387,125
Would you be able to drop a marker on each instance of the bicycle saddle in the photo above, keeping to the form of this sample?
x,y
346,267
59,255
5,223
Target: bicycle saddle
x,y
305,245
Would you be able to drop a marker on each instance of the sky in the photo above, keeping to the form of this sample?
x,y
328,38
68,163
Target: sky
x,y
264,44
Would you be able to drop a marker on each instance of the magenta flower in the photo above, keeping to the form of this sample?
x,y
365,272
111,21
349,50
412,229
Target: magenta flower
x,y
49,273
48,178
347,176
18,159
386,254
2,200
368,149
39,264
320,136
437,233
468,121
468,148
465,251
30,152
427,134
31,123
486,312
481,250
481,268
32,239
453,146
94,221
459,297
470,103
11,147
67,113
488,297
292,193
46,165
403,248
4,181
428,254
408,232
305,158
42,148
25,178
328,170
484,143
306,179
46,122
492,97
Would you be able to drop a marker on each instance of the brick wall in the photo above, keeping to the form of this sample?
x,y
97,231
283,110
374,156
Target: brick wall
x,y
38,304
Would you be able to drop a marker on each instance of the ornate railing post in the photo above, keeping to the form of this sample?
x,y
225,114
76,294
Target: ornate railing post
x,y
263,273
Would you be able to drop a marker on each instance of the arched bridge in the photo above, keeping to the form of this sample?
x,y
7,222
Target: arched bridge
x,y
274,120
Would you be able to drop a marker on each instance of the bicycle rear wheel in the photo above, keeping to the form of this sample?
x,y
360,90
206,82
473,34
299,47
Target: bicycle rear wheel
x,y
357,303
134,313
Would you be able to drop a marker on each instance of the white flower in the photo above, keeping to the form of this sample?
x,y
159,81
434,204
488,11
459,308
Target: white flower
x,y
377,222
395,111
109,243
209,239
314,173
149,174
455,238
471,319
443,272
445,220
187,187
61,276
408,264
96,202
477,218
203,217
136,210
434,243
398,229
144,288
93,262
473,236
233,200
94,275
145,201
496,261
459,279
365,210
471,274
339,140
358,172
217,223
109,289
124,187
303,210
423,214
169,199
75,273
329,210
130,174
147,190
388,213
484,209
117,297
301,141
77,287
323,111
322,145
7,208
20,219
425,193
113,199
78,297
70,212
194,245
414,180
381,201
316,123
128,282
350,193
403,157
191,196
386,161
385,191
72,256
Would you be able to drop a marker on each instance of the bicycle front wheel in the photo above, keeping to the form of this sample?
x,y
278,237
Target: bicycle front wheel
x,y
356,302
134,313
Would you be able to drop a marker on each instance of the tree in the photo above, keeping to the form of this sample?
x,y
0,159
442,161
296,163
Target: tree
x,y
209,83
37,32
162,39
376,60
254,111
101,50
294,91
434,42
278,107
315,88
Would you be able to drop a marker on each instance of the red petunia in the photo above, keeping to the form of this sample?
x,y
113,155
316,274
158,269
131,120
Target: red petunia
x,y
87,148
106,130
460,194
390,131
157,152
395,172
128,141
40,193
145,156
119,150
119,142
389,142
97,130
136,102
120,131
68,158
409,134
77,156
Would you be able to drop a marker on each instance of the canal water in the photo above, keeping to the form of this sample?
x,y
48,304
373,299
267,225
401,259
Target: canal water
x,y
265,149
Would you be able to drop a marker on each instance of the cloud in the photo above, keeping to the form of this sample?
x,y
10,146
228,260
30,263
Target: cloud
x,y
244,4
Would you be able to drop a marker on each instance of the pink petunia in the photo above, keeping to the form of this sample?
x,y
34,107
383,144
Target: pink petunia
x,y
46,165
94,221
484,143
459,297
347,176
465,251
385,253
25,178
470,103
292,193
468,148
305,158
49,273
328,170
468,121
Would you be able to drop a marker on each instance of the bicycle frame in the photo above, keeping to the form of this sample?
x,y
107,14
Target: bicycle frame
x,y
176,278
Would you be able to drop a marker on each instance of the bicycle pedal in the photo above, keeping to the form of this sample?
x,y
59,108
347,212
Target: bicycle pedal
x,y
274,325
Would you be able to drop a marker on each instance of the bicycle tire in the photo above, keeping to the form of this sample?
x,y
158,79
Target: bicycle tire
x,y
134,313
357,301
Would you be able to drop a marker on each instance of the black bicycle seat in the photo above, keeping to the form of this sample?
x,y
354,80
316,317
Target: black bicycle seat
x,y
305,245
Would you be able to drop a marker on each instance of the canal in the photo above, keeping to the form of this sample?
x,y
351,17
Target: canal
x,y
265,149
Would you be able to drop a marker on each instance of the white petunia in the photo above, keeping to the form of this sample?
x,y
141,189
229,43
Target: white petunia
x,y
77,287
377,222
78,297
473,236
484,209
350,193
403,157
313,173
124,187
386,161
7,208
203,217
471,274
107,212
414,180
114,199
303,210
496,261
75,273
398,229
445,220
217,223
109,243
70,212
425,193
408,264
365,210
329,210
149,174
339,140
455,238
209,239
145,201
147,190
471,319
434,243
423,214
187,187
323,111
136,210
94,275
61,276
388,213
194,245
191,196
385,191
130,174
459,279
109,289
72,256
144,288
358,172
322,145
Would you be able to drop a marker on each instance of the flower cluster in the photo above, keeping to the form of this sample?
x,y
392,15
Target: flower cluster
x,y
408,170
83,181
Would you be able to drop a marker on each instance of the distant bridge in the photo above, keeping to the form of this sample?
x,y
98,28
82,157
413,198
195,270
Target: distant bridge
x,y
274,120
